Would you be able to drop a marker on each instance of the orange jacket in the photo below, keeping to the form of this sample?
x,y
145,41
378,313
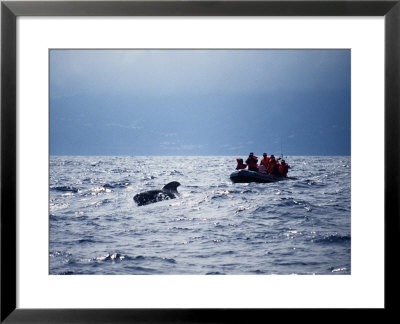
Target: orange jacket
x,y
273,167
240,165
283,169
252,162
265,161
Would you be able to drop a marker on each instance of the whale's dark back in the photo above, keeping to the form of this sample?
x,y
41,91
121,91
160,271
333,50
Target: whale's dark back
x,y
152,196
148,197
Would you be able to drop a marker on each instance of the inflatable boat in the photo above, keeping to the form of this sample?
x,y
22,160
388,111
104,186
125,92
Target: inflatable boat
x,y
246,176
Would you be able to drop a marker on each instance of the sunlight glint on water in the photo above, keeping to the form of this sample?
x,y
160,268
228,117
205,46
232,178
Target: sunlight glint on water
x,y
214,226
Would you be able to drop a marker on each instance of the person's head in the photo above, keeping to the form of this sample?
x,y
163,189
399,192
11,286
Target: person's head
x,y
283,162
251,154
264,154
241,160
272,156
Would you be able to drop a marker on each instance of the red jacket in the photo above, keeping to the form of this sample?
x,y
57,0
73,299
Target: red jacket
x,y
283,169
240,165
265,161
273,167
252,162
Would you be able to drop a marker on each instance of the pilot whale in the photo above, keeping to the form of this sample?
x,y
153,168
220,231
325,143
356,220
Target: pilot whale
x,y
169,191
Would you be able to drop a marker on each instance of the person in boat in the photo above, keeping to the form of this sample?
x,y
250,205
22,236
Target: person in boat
x,y
273,166
265,160
252,161
240,164
263,167
283,169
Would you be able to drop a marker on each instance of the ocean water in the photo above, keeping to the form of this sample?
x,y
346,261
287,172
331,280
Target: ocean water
x,y
214,227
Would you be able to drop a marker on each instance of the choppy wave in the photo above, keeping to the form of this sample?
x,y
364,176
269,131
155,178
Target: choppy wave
x,y
65,188
332,238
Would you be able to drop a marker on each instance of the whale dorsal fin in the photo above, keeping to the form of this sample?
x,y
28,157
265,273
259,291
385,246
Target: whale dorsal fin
x,y
172,186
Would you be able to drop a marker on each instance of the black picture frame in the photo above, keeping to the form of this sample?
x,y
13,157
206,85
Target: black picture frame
x,y
10,10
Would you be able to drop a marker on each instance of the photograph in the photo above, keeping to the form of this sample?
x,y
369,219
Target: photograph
x,y
199,161
191,161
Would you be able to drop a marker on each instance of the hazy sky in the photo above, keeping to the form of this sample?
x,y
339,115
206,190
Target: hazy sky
x,y
199,102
